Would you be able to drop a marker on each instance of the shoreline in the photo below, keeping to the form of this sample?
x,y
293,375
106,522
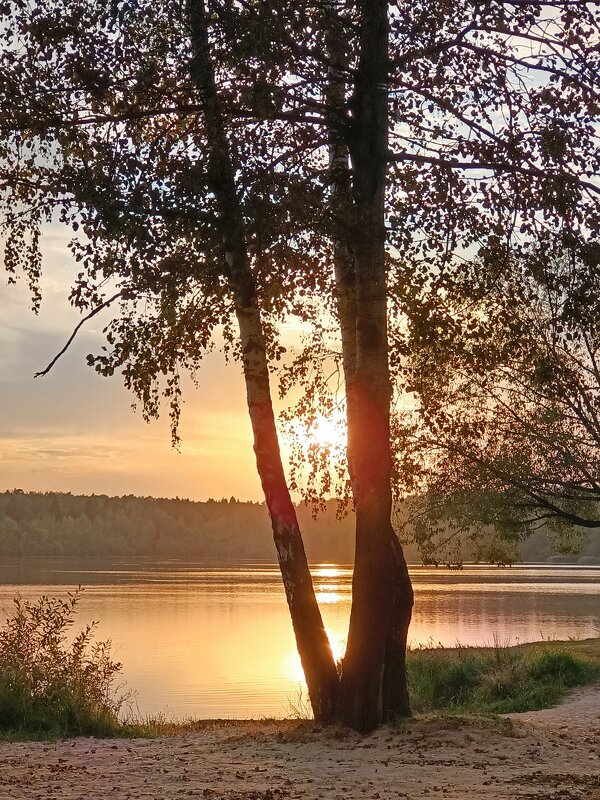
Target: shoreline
x,y
554,753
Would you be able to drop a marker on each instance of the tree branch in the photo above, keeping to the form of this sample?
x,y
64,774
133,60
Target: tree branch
x,y
93,313
495,166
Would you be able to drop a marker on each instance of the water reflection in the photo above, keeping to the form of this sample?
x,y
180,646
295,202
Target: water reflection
x,y
329,596
215,641
327,571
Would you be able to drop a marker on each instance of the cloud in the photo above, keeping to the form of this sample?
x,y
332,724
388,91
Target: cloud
x,y
215,460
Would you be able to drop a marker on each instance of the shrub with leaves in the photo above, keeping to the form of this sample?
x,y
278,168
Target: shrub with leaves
x,y
51,682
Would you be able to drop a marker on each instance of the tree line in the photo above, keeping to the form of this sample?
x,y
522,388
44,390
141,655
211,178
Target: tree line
x,y
59,524
219,531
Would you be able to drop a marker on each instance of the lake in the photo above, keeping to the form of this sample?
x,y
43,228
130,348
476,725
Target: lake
x,y
207,641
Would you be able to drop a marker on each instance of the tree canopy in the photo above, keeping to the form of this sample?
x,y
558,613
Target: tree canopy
x,y
508,404
492,141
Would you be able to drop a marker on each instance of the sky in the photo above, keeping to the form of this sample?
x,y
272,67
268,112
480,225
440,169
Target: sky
x,y
74,430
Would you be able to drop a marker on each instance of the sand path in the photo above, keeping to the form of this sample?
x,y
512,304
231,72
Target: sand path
x,y
548,754
580,712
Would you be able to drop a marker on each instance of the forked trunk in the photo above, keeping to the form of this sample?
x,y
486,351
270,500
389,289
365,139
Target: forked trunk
x,y
373,587
311,638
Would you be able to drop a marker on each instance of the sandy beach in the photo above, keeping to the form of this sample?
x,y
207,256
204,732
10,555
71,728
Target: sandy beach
x,y
547,754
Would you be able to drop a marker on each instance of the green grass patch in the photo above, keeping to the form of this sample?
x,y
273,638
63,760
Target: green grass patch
x,y
499,680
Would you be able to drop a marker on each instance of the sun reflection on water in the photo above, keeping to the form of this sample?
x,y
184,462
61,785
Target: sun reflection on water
x,y
328,596
327,571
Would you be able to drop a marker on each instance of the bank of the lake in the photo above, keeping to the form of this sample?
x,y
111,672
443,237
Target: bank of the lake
x,y
461,683
207,641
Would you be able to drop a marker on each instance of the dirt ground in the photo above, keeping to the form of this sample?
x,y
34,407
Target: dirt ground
x,y
547,754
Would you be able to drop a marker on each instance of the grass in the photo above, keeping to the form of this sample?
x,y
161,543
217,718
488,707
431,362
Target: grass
x,y
49,728
497,680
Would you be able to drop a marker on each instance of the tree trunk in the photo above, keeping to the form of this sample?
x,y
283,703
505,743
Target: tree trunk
x,y
373,685
341,212
311,638
373,590
396,702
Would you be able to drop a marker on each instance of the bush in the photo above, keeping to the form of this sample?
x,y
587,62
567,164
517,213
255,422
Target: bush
x,y
50,685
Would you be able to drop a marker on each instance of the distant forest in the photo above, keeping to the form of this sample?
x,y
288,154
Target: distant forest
x,y
56,524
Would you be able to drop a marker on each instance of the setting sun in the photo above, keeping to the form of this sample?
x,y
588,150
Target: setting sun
x,y
323,431
292,668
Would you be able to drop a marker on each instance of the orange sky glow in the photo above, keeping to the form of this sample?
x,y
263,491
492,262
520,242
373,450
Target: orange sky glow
x,y
75,431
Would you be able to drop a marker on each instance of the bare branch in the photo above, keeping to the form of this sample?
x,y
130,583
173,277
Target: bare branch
x,y
89,316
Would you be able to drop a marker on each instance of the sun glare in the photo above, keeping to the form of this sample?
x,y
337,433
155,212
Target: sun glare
x,y
328,597
325,432
328,432
292,667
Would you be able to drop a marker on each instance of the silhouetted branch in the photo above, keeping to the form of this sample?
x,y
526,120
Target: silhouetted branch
x,y
93,313
495,166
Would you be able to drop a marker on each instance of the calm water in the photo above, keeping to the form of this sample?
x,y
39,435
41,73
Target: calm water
x,y
210,641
